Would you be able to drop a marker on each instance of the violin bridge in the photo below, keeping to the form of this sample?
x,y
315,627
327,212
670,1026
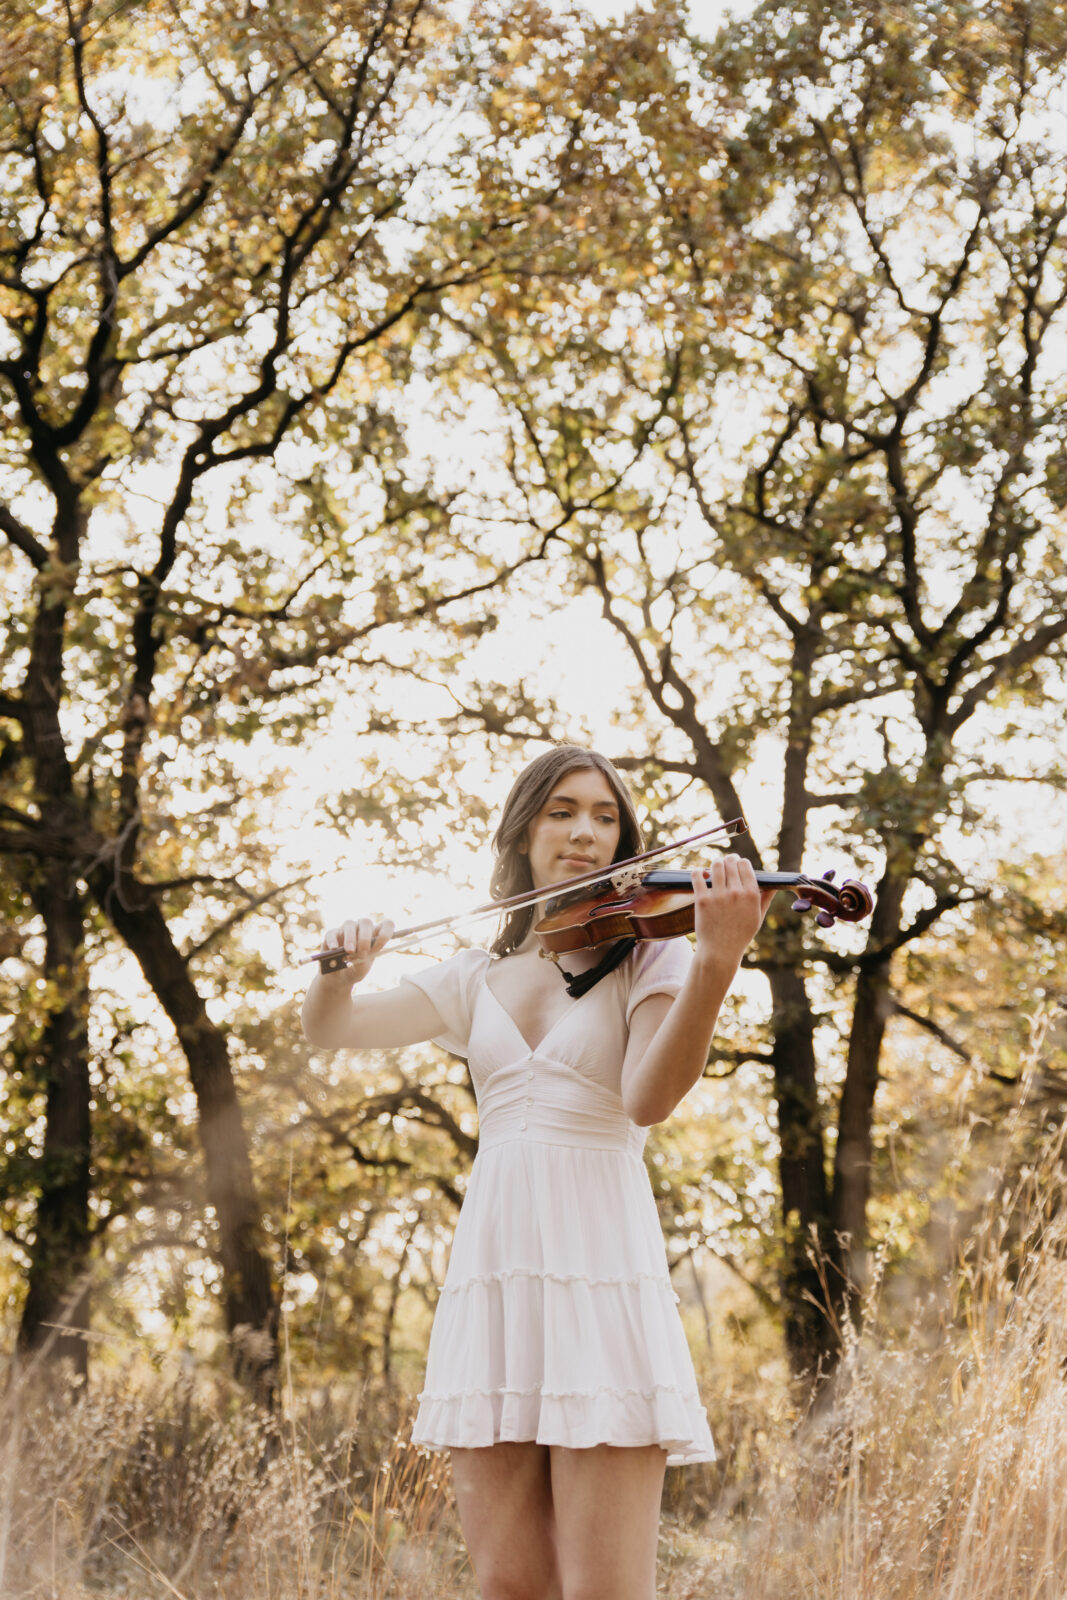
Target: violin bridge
x,y
627,880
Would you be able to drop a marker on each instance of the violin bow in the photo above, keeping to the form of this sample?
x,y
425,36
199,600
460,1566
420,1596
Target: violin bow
x,y
621,874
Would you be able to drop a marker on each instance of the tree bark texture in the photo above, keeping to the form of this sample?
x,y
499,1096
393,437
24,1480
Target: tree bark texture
x,y
251,1306
809,1325
852,1160
55,1316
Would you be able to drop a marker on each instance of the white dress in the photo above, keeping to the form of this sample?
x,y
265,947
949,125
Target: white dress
x,y
557,1321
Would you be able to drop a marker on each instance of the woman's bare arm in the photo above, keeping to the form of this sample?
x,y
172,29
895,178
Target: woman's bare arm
x,y
669,1039
335,1017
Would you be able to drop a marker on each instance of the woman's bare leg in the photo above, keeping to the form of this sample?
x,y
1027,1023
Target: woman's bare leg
x,y
504,1496
607,1504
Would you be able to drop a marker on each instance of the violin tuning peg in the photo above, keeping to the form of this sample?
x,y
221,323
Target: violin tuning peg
x,y
828,877
801,905
824,919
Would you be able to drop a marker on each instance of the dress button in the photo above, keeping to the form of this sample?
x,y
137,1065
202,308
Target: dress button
x,y
522,1126
529,1075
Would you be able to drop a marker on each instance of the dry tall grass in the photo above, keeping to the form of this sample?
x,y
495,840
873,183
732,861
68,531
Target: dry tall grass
x,y
938,1467
144,1488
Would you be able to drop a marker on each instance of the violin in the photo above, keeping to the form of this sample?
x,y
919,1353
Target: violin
x,y
660,905
660,902
619,873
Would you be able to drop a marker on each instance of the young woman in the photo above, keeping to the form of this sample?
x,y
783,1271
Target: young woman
x,y
558,1374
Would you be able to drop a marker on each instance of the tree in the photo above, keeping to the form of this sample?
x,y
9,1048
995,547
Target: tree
x,y
220,234
818,461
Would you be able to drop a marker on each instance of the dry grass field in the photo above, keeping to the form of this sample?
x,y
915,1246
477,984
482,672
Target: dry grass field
x,y
936,1468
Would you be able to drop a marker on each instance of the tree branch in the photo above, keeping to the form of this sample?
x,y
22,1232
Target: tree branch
x,y
931,1027
1006,666
400,1164
23,539
392,1103
434,1114
708,764
238,916
737,1060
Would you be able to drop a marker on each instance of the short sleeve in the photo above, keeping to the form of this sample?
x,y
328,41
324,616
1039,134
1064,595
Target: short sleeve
x,y
659,966
452,988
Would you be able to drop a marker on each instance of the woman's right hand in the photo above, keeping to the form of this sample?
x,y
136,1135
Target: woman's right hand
x,y
362,941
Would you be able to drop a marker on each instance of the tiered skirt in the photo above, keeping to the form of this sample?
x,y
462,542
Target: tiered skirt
x,y
557,1321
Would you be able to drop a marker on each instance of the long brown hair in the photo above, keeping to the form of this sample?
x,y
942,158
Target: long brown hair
x,y
511,872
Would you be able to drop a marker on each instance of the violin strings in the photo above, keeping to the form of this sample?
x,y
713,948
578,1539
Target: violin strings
x,y
732,829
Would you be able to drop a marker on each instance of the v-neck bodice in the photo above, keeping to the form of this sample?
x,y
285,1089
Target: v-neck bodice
x,y
531,1049
589,1037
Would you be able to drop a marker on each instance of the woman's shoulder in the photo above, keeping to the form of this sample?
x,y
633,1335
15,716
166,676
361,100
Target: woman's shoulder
x,y
458,970
660,955
655,966
469,959
452,986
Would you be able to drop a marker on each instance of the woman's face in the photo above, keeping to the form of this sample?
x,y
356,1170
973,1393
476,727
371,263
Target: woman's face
x,y
576,830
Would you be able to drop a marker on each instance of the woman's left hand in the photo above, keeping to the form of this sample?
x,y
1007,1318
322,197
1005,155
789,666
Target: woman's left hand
x,y
728,910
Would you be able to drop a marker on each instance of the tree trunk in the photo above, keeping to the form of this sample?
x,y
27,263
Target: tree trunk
x,y
851,1160
809,1326
852,1165
55,1317
251,1304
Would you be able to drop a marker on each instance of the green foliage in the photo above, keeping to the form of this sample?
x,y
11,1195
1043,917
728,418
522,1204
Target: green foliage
x,y
810,471
222,251
334,342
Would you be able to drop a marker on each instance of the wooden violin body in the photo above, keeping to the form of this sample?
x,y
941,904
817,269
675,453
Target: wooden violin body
x,y
660,906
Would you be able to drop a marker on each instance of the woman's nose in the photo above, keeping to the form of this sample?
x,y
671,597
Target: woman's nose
x,y
581,827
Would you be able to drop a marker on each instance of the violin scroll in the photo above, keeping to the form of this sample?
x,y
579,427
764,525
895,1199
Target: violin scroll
x,y
850,901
